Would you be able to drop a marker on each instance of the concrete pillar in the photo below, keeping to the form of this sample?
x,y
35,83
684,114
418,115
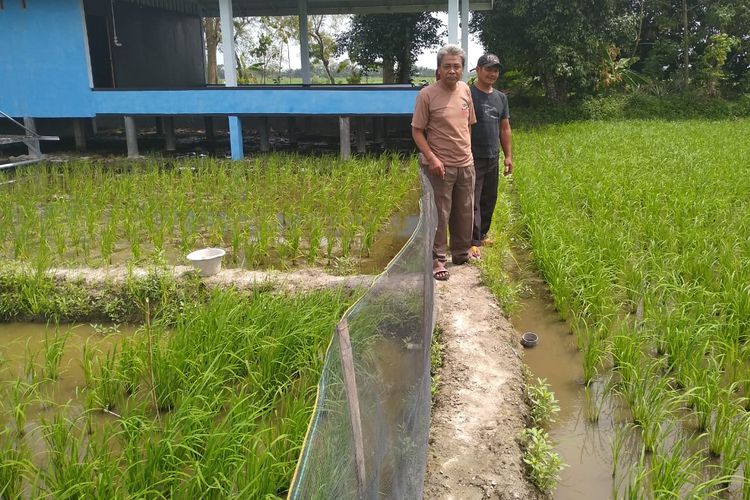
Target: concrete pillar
x,y
131,136
263,133
230,74
452,21
94,128
344,138
227,42
304,48
465,35
31,144
79,134
235,138
361,142
170,141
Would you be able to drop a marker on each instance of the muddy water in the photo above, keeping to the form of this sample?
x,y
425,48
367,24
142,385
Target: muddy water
x,y
20,343
585,446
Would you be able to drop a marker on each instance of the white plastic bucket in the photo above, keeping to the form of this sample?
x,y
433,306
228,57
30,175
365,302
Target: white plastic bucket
x,y
208,260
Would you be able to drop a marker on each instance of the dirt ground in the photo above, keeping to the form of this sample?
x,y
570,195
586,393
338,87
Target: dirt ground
x,y
479,409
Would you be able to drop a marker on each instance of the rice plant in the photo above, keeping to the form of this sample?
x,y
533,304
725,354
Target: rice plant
x,y
651,250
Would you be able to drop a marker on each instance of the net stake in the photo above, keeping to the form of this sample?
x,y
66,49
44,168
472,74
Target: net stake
x,y
350,384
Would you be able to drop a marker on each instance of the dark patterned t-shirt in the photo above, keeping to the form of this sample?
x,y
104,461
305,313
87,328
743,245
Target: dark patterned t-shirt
x,y
485,134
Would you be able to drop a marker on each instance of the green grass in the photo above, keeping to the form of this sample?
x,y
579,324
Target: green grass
x,y
642,231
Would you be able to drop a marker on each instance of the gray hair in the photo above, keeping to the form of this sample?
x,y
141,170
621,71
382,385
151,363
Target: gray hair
x,y
451,50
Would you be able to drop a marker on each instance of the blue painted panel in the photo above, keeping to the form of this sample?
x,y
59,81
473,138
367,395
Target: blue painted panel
x,y
256,101
44,70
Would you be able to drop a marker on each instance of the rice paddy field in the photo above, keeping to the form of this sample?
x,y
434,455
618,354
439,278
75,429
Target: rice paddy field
x,y
642,232
208,392
273,211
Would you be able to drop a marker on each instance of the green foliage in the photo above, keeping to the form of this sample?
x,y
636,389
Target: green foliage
x,y
640,104
579,48
544,406
542,462
408,35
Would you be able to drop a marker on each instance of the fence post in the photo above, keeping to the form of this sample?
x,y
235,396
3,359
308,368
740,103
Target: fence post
x,y
350,384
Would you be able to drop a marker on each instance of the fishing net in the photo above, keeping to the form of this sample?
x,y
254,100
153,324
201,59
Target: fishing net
x,y
369,430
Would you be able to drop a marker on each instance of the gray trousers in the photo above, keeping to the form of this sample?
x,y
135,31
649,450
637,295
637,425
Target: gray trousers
x,y
454,200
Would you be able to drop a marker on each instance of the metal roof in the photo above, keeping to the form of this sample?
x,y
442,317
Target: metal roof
x,y
241,8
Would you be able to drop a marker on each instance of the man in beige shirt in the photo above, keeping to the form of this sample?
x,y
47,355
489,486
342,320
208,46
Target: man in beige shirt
x,y
441,128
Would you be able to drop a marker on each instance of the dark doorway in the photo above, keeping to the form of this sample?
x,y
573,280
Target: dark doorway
x,y
100,52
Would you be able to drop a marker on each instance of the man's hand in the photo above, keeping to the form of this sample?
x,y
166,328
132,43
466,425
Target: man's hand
x,y
437,168
508,162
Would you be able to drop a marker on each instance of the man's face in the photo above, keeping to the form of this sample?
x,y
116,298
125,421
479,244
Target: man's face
x,y
451,69
488,75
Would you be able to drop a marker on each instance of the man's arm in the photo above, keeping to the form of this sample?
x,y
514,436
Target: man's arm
x,y
506,144
436,166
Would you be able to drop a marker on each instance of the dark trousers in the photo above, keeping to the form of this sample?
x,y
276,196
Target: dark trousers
x,y
485,196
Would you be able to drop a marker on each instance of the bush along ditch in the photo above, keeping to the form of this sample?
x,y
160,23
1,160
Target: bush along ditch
x,y
209,398
543,463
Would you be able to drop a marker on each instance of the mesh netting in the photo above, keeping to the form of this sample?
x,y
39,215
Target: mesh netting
x,y
380,453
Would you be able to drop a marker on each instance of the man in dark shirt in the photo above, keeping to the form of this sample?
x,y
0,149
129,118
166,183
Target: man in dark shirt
x,y
490,133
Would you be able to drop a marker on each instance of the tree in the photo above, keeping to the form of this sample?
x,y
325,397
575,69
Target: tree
x,y
560,43
323,43
407,36
212,29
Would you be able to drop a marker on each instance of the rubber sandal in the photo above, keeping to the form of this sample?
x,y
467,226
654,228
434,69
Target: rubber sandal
x,y
475,253
440,274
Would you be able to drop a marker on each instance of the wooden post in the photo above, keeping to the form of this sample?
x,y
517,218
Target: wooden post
x,y
345,141
350,385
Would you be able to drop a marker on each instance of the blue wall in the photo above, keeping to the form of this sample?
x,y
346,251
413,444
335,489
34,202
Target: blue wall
x,y
43,60
249,101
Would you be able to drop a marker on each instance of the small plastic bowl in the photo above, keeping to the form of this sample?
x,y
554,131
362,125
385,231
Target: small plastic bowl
x,y
207,260
529,339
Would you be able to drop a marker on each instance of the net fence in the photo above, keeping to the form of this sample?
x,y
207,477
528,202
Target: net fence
x,y
369,430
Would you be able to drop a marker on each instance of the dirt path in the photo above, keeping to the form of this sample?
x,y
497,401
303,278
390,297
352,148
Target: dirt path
x,y
479,409
301,279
